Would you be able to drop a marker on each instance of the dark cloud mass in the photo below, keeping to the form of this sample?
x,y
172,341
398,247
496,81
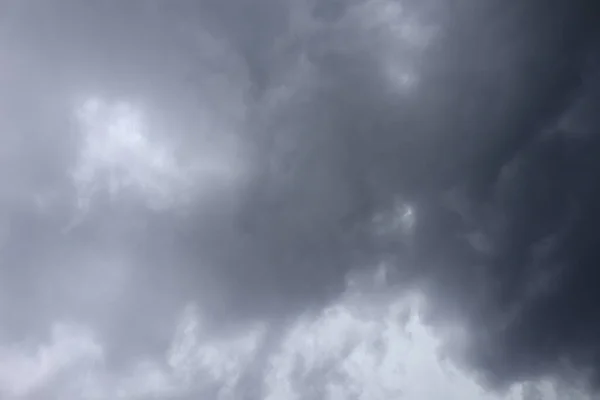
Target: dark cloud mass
x,y
312,124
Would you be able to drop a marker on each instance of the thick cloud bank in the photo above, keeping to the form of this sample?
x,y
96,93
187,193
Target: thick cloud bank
x,y
254,158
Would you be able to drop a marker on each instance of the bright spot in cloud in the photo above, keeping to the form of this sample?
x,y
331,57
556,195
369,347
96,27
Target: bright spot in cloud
x,y
220,360
402,37
119,156
398,222
24,369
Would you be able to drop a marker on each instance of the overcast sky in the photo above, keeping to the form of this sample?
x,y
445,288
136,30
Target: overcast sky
x,y
299,199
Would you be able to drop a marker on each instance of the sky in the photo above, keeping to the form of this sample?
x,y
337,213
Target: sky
x,y
299,199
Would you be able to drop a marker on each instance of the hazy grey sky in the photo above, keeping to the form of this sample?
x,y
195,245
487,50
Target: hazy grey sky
x,y
299,199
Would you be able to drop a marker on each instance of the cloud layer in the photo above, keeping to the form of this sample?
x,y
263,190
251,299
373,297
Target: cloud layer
x,y
362,346
253,160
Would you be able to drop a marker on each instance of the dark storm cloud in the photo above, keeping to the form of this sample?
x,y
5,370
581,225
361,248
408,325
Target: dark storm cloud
x,y
494,145
532,193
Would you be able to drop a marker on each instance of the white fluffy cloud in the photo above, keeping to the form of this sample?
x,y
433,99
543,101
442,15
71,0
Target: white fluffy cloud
x,y
364,346
120,156
116,150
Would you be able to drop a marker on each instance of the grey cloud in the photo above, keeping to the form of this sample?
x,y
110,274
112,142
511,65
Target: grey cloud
x,y
299,136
